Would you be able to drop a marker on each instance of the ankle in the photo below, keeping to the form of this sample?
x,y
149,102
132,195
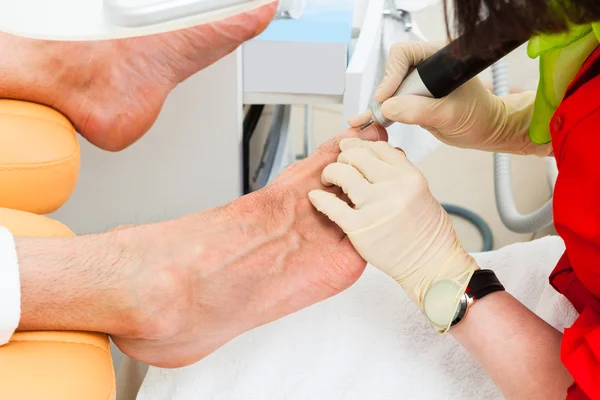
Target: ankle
x,y
19,69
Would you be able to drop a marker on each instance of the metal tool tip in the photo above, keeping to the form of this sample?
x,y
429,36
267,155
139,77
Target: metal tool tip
x,y
365,126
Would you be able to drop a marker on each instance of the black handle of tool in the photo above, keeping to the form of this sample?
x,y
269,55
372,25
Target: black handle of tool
x,y
446,71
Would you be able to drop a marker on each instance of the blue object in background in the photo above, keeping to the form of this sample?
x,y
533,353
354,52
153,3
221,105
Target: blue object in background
x,y
322,21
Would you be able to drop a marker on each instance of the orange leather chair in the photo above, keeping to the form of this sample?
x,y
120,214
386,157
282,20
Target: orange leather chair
x,y
39,165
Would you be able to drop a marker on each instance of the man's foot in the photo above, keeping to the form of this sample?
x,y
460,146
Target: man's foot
x,y
114,90
253,261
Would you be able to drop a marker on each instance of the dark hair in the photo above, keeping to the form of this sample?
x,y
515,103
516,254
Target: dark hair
x,y
516,19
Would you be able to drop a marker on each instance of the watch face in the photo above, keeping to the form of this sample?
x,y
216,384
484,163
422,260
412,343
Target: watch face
x,y
441,303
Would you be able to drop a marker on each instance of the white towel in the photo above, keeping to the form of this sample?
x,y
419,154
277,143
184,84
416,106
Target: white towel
x,y
370,342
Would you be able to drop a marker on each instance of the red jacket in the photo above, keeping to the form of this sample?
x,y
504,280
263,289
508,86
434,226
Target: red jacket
x,y
575,130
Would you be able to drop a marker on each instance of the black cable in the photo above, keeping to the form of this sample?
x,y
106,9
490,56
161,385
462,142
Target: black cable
x,y
249,127
476,220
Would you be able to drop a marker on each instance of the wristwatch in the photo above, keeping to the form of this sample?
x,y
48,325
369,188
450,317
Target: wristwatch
x,y
439,303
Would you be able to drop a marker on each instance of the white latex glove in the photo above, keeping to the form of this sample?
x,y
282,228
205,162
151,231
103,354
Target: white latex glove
x,y
470,117
396,224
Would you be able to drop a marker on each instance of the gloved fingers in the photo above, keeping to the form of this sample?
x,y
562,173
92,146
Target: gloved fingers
x,y
333,207
391,155
403,57
349,143
367,163
383,150
414,110
451,113
349,180
359,120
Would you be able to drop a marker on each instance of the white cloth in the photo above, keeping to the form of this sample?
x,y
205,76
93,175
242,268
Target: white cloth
x,y
370,342
10,287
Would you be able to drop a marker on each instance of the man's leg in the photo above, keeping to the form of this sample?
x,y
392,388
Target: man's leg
x,y
172,292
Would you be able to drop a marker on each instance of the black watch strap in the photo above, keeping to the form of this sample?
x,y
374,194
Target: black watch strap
x,y
483,282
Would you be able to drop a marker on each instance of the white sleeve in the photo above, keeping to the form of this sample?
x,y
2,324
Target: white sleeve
x,y
10,287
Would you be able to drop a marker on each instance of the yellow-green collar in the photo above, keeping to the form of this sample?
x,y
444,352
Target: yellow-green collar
x,y
541,44
560,58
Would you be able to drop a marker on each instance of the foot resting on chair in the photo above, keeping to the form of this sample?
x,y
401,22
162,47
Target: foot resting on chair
x,y
171,293
114,90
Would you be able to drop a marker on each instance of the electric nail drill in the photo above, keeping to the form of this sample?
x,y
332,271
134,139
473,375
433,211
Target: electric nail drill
x,y
445,71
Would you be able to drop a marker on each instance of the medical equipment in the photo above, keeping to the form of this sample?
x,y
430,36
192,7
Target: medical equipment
x,y
505,200
269,143
130,13
437,77
444,72
114,19
291,8
266,135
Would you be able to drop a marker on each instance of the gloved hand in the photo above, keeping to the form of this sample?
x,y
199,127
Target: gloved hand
x,y
396,224
470,117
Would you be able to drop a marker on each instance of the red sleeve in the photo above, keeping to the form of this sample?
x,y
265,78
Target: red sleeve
x,y
577,220
580,353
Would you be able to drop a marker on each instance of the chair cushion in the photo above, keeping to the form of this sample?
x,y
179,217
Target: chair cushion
x,y
25,224
57,366
39,157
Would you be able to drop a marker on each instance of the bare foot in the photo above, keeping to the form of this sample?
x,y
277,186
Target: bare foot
x,y
114,90
259,258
